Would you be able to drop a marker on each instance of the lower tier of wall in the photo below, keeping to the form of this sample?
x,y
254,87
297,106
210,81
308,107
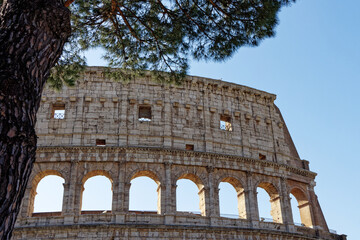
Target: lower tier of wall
x,y
205,229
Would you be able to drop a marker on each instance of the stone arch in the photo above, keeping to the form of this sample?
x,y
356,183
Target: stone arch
x,y
236,180
304,205
197,174
96,173
240,192
91,174
34,183
275,199
270,188
152,175
145,173
194,178
199,183
153,171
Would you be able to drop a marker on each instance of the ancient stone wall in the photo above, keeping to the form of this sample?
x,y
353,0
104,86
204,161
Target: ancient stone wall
x,y
207,131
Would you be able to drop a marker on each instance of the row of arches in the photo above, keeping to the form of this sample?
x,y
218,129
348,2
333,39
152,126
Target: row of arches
x,y
144,194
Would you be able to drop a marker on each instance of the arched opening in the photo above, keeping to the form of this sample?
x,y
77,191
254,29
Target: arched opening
x,y
232,199
295,210
145,193
93,187
301,213
264,205
275,204
190,195
48,196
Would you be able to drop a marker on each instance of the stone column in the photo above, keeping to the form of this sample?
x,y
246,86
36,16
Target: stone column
x,y
115,199
168,200
213,208
66,197
119,206
168,196
72,193
78,192
286,210
123,117
242,204
167,113
161,198
251,201
126,195
216,202
204,201
208,141
173,198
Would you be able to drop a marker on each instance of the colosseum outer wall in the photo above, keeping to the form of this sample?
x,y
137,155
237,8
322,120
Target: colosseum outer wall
x,y
103,133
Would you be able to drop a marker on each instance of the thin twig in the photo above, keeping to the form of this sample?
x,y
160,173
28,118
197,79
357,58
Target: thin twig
x,y
219,8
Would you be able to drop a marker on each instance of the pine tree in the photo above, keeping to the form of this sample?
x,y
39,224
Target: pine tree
x,y
43,40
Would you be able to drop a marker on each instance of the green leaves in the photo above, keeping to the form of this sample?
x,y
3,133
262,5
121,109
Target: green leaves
x,y
69,66
160,35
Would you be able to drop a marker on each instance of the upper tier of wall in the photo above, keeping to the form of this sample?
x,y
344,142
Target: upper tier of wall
x,y
99,108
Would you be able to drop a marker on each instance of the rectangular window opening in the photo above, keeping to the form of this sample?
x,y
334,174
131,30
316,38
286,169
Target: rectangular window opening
x,y
144,113
262,157
189,147
225,123
101,142
58,111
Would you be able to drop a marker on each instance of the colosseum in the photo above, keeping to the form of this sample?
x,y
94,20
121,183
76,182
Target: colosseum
x,y
207,131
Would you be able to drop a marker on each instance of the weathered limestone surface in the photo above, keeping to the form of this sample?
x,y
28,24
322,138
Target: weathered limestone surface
x,y
258,152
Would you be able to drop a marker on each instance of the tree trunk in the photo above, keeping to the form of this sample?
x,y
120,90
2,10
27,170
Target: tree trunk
x,y
32,36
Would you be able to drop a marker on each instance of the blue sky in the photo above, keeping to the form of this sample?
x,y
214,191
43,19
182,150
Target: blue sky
x,y
313,66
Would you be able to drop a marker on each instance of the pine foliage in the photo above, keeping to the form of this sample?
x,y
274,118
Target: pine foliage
x,y
161,35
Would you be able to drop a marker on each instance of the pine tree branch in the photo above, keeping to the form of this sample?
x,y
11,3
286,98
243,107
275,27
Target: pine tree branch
x,y
158,45
219,8
133,33
191,19
163,7
213,20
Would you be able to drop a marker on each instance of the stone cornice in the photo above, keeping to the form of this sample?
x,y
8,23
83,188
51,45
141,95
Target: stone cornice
x,y
132,149
201,83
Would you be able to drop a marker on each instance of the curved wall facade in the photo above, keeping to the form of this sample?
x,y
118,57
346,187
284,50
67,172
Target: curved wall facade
x,y
207,131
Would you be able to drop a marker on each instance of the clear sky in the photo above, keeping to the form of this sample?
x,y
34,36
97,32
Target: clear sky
x,y
313,66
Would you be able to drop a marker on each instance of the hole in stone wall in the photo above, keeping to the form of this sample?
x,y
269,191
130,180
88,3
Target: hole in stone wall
x,y
225,123
49,197
262,157
189,147
58,111
100,142
143,195
187,197
144,113
93,188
